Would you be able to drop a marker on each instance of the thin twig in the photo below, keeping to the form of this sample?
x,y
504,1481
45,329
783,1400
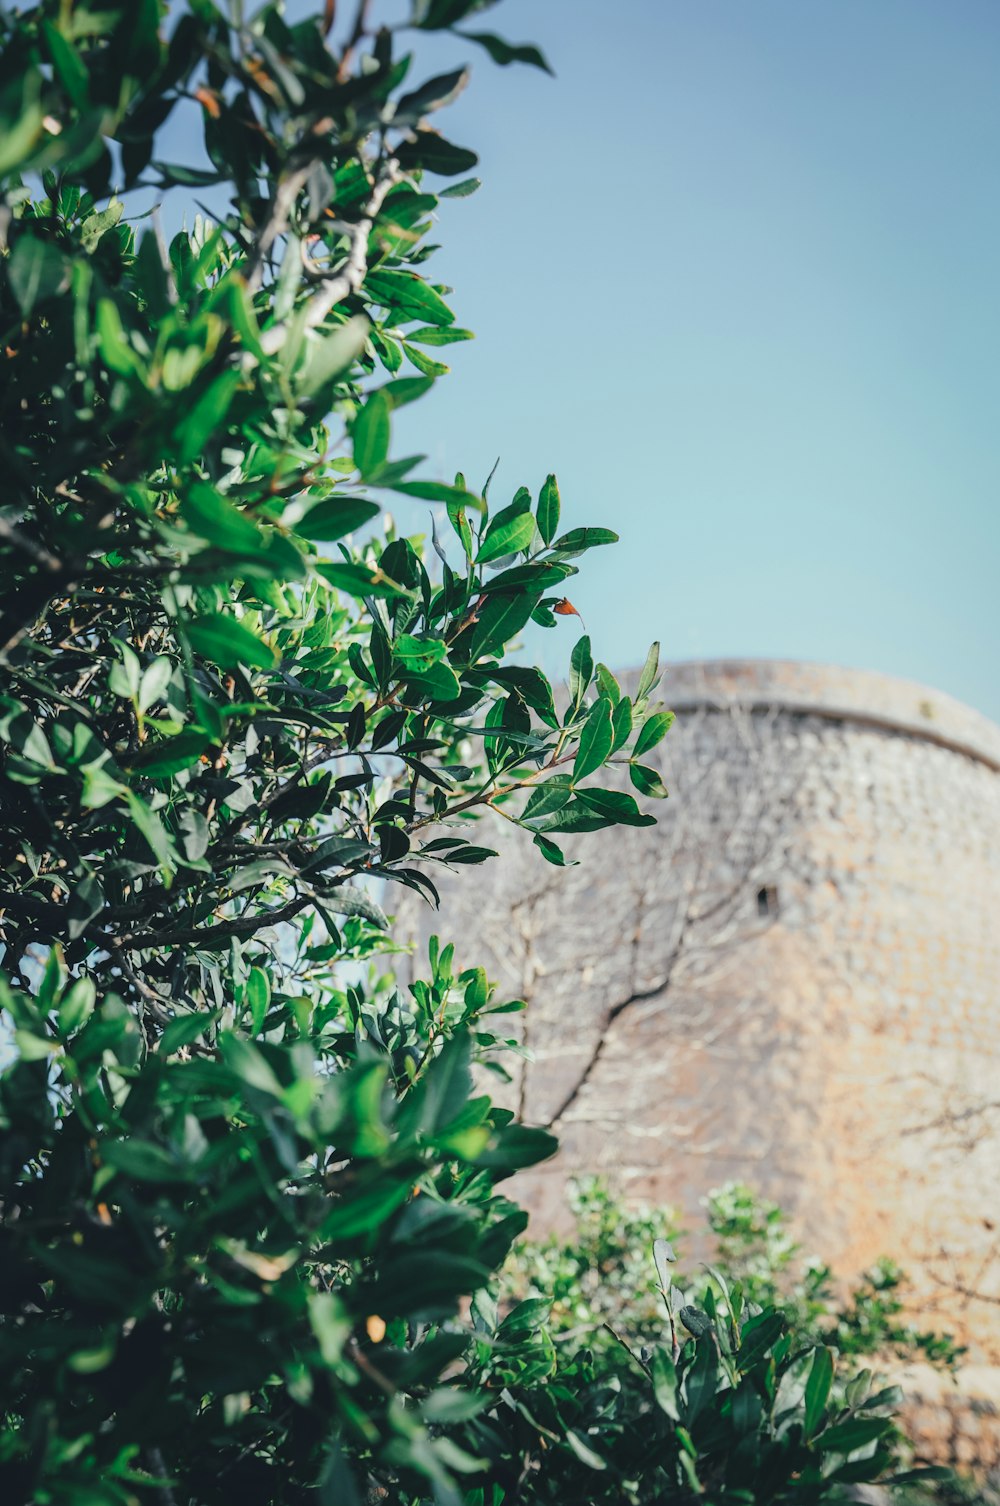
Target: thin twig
x,y
278,219
29,546
346,279
358,31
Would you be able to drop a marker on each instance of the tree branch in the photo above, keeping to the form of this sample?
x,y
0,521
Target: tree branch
x,y
278,218
29,546
243,925
346,279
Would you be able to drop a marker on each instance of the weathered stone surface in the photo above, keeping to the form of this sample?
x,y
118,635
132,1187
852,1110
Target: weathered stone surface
x,y
791,981
953,1420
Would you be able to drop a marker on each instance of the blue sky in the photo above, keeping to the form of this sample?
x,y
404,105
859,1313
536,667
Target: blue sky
x,y
734,277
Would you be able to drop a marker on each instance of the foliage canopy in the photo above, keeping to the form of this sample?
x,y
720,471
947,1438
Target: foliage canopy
x,y
246,1181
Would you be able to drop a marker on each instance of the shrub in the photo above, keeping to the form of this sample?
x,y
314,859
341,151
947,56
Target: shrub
x,y
243,1191
599,1278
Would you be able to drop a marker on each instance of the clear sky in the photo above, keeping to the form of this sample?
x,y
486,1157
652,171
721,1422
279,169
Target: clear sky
x,y
734,277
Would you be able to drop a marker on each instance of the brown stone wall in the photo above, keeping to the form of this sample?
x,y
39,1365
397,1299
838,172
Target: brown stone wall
x,y
791,981
953,1421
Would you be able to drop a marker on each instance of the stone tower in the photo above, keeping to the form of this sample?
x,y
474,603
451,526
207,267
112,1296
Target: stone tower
x,y
791,981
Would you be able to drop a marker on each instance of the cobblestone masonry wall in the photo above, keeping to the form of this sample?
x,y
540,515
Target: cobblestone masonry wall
x,y
791,981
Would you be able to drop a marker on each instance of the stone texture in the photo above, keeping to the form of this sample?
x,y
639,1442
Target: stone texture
x,y
953,1421
791,981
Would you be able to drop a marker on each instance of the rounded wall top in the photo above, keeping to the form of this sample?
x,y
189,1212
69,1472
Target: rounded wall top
x,y
854,695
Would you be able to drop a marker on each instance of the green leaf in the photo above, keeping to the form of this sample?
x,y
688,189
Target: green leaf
x,y
509,536
97,224
438,682
116,352
431,153
430,96
258,997
440,491
579,539
437,1098
500,619
425,363
574,817
403,390
419,653
91,1361
551,852
143,1161
506,52
77,1005
213,517
409,294
622,723
206,417
818,1389
125,676
653,731
606,683
548,509
845,1437
759,1335
99,786
552,796
155,680
452,1404
336,1485
664,1376
535,573
647,781
37,270
331,356
23,128
228,642
596,740
331,1325
581,671
616,806
370,434
663,1259
434,335
700,1381
359,580
185,1029
247,1062
69,66
33,1048
334,517
148,823
650,672
524,1318
461,190
161,760
856,1391
583,1451
364,1211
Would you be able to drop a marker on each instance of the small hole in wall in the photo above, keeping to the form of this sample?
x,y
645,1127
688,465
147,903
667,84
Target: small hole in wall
x,y
767,900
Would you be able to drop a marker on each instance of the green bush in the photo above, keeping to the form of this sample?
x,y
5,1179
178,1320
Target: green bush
x,y
247,1182
599,1277
754,1244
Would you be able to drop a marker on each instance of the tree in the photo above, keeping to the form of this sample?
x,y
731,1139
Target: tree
x,y
246,1182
